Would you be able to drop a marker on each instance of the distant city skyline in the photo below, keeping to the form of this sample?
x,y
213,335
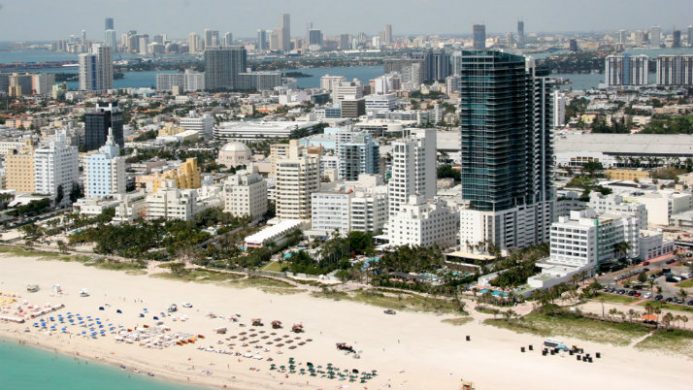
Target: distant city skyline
x,y
49,20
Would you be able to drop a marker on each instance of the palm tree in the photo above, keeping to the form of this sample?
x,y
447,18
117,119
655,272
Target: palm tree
x,y
631,314
622,249
682,293
613,312
667,320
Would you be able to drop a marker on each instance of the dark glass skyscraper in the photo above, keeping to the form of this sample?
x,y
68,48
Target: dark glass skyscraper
x,y
521,34
494,121
109,24
436,65
97,122
506,147
222,66
479,33
676,39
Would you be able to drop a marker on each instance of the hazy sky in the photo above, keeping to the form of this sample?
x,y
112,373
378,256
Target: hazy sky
x,y
52,19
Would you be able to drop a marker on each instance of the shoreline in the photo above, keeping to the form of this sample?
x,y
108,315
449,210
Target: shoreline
x,y
410,350
113,364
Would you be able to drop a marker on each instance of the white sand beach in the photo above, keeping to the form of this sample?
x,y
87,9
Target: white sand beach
x,y
408,350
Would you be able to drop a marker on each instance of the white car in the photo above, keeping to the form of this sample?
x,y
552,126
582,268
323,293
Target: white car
x,y
647,295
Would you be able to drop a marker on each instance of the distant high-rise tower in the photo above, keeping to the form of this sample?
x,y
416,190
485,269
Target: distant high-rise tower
x,y
655,36
96,70
521,41
228,39
436,65
98,122
262,41
388,35
212,38
573,45
109,24
222,66
344,41
479,31
110,39
506,151
626,70
315,37
622,37
285,33
194,43
690,36
676,39
675,70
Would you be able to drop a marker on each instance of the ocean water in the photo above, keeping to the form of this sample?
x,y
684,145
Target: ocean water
x,y
25,368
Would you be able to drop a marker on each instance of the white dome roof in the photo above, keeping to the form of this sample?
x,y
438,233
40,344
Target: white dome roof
x,y
236,147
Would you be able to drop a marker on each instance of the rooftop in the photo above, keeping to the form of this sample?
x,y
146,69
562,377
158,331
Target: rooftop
x,y
674,144
272,231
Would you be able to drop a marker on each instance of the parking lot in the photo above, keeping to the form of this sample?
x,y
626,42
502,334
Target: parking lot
x,y
660,281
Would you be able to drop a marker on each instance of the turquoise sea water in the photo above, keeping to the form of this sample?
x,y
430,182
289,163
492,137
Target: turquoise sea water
x,y
25,368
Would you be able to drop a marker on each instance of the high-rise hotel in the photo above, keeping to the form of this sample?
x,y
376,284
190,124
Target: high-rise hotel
x,y
506,151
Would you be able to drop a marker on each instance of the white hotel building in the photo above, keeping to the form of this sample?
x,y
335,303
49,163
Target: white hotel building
x,y
582,241
56,165
171,203
413,168
424,223
297,178
245,194
104,172
350,206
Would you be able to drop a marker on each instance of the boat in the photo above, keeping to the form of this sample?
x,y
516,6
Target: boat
x,y
390,312
83,293
173,308
32,288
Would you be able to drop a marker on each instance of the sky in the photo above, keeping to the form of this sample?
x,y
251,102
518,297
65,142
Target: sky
x,y
25,20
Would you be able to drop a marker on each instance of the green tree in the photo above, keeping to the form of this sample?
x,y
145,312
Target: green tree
x,y
59,195
76,192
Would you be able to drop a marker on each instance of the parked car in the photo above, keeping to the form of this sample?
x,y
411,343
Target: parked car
x,y
659,297
647,295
